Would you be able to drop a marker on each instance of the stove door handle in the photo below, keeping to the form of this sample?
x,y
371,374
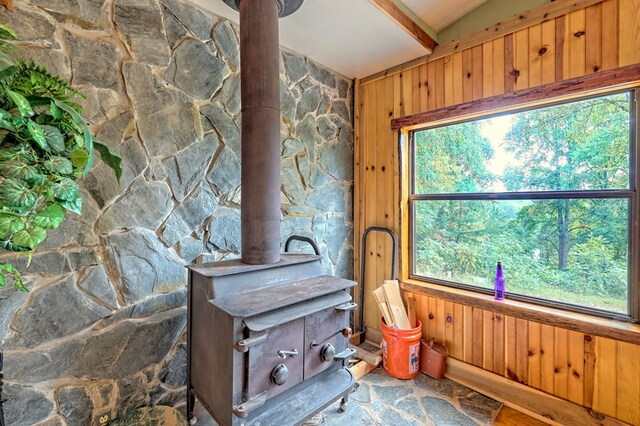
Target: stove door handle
x,y
347,307
244,344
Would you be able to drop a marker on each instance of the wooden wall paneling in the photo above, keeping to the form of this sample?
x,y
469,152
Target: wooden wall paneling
x,y
458,79
398,107
424,317
629,45
547,362
509,64
448,79
628,385
424,87
547,52
487,337
534,355
358,193
577,43
561,361
562,48
370,137
476,73
521,59
535,56
589,370
431,85
487,68
440,320
433,318
477,344
393,189
417,89
609,34
406,85
378,244
605,383
498,66
439,83
575,368
538,404
458,331
498,343
522,350
467,75
510,350
593,38
468,334
448,325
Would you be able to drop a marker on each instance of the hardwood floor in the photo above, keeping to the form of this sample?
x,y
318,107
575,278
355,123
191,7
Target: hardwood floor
x,y
510,417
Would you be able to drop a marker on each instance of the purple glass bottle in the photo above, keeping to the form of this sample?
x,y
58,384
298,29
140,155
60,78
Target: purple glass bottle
x,y
499,283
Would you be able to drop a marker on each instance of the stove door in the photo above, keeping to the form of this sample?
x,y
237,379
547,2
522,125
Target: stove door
x,y
277,364
324,339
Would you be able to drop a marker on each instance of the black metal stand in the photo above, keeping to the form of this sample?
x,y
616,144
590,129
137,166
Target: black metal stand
x,y
1,386
363,257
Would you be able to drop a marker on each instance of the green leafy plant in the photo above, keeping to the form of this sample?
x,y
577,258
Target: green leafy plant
x,y
45,147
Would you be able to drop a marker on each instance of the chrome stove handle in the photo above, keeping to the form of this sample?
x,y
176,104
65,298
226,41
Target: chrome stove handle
x,y
285,354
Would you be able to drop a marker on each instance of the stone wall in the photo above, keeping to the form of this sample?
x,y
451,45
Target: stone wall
x,y
102,329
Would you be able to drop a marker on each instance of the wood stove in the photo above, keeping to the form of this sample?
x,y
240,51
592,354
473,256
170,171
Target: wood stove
x,y
268,335
269,344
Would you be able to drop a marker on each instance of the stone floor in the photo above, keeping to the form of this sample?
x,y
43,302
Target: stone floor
x,y
383,400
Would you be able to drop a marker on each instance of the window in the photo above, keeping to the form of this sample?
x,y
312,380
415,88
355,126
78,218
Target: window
x,y
550,192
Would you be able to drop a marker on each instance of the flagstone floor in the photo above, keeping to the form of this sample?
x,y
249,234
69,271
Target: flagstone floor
x,y
381,400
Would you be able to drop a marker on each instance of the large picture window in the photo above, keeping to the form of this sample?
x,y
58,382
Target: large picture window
x,y
549,191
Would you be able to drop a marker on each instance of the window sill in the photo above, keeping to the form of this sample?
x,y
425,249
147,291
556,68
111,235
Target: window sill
x,y
588,324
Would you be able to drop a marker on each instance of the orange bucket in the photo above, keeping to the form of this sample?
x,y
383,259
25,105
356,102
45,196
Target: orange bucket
x,y
401,351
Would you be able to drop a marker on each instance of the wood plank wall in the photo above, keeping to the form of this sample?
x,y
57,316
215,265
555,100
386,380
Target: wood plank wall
x,y
599,373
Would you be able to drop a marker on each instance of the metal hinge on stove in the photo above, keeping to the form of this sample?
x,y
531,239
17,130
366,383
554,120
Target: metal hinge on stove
x,y
248,406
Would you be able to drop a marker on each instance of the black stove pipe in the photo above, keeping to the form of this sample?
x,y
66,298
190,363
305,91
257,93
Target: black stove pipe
x,y
260,94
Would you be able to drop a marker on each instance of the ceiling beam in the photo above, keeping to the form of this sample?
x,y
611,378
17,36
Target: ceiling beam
x,y
407,24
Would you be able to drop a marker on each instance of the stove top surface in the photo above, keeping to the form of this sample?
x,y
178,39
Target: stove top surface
x,y
235,266
263,300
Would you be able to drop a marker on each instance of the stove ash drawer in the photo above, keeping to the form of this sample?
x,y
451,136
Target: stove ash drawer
x,y
276,364
326,339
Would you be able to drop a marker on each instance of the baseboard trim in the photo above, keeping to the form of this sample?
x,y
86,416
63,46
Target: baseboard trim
x,y
530,401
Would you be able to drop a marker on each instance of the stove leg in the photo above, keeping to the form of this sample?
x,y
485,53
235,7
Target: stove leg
x,y
191,402
343,403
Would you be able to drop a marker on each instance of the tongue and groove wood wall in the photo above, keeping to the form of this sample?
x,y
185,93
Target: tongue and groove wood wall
x,y
589,369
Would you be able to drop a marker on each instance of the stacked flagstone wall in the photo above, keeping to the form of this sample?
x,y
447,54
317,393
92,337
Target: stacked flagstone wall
x,y
102,329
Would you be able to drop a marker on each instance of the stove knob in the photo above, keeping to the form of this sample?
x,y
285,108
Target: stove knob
x,y
327,352
280,374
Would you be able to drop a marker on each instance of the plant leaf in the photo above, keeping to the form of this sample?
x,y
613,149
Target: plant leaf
x,y
29,237
7,33
110,158
21,102
66,189
3,280
9,225
88,138
17,169
79,157
59,165
14,194
37,133
50,218
74,205
55,111
54,138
